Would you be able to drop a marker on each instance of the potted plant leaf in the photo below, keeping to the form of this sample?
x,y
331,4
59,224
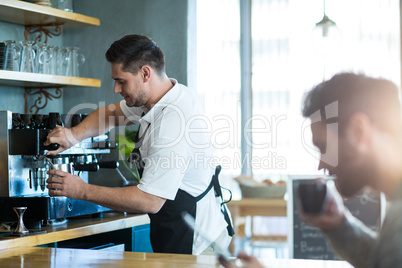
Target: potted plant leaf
x,y
125,147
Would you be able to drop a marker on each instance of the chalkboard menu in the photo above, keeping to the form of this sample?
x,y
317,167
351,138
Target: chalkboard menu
x,y
309,242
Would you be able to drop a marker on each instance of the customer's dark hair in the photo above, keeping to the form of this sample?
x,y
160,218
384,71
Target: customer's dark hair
x,y
135,51
351,93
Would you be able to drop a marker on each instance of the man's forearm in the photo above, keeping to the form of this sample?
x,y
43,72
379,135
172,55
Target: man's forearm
x,y
353,241
129,199
98,122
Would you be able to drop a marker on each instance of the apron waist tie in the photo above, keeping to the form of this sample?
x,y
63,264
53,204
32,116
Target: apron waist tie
x,y
218,193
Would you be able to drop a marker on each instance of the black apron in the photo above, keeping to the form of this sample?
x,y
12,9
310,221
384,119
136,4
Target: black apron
x,y
169,233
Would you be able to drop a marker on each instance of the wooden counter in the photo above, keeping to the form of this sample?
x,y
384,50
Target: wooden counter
x,y
61,257
20,251
75,228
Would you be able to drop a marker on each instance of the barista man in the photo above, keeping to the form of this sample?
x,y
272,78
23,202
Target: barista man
x,y
172,180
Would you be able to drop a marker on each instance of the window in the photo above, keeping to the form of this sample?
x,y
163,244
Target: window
x,y
218,80
287,60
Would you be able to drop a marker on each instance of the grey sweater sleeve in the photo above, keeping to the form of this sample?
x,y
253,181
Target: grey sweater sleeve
x,y
389,250
353,241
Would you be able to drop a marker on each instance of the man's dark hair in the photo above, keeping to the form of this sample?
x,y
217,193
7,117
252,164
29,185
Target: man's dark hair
x,y
377,98
135,51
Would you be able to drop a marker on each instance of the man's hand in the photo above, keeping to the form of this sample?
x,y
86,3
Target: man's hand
x,y
333,215
248,262
62,136
65,184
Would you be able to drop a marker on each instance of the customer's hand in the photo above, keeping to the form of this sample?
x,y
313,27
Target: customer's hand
x,y
248,262
62,136
333,215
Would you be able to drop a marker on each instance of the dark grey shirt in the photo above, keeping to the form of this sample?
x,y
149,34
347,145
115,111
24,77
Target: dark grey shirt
x,y
363,247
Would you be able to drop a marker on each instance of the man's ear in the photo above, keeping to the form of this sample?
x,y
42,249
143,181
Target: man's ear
x,y
359,131
146,73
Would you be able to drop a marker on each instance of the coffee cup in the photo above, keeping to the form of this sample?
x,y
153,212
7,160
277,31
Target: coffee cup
x,y
313,196
64,167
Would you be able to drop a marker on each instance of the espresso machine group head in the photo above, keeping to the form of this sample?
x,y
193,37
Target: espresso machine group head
x,y
23,166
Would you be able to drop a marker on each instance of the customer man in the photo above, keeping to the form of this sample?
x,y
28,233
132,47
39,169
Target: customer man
x,y
172,179
363,150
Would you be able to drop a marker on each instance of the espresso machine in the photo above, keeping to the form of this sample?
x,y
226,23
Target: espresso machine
x,y
23,167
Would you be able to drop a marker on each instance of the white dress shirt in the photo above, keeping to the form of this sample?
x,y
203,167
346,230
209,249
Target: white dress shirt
x,y
177,152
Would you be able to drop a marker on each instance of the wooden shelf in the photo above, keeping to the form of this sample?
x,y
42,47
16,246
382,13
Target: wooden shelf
x,y
34,80
25,13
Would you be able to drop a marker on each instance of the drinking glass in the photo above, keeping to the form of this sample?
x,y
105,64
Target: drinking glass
x,y
59,54
43,59
52,67
73,61
27,57
12,56
66,5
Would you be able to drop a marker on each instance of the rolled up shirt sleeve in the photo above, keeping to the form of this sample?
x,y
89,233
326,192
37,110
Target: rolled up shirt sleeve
x,y
353,241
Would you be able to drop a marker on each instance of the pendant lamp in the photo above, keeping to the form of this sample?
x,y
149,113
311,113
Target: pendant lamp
x,y
325,25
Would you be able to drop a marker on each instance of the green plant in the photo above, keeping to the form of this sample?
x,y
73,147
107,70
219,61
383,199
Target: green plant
x,y
126,145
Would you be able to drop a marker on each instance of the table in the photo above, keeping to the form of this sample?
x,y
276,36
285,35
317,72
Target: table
x,y
253,207
75,228
257,207
62,257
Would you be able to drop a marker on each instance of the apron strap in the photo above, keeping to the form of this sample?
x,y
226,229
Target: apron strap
x,y
214,183
218,193
135,156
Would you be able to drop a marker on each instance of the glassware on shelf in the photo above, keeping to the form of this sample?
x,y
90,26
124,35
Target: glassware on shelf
x,y
43,59
12,56
27,57
66,5
60,60
52,68
73,61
